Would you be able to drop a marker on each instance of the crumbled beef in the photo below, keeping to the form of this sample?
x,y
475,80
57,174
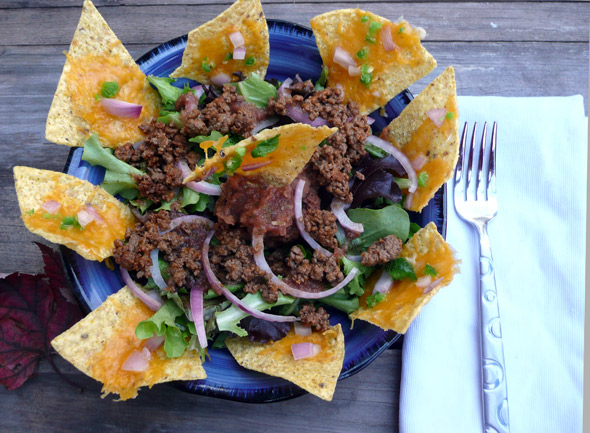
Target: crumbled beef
x,y
326,267
180,248
227,113
318,318
127,153
309,274
299,266
382,251
334,170
233,262
303,88
256,205
321,225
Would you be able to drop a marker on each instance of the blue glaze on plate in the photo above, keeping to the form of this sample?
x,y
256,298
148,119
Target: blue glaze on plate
x,y
292,50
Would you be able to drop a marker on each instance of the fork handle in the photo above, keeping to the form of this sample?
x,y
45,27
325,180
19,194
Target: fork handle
x,y
493,371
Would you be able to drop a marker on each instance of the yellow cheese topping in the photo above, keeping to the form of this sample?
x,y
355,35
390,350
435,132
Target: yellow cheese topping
x,y
282,348
85,78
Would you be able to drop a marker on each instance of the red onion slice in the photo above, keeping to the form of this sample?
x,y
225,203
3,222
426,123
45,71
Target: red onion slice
x,y
298,201
384,283
155,270
201,186
220,79
239,53
51,206
298,115
437,115
256,165
370,120
153,343
84,217
399,155
355,258
299,329
387,39
220,289
197,312
198,90
408,200
283,87
151,299
237,39
260,260
342,58
264,124
432,285
338,209
136,361
305,350
121,108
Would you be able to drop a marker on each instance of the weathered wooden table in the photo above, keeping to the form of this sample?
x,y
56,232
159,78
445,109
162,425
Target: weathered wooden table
x,y
531,48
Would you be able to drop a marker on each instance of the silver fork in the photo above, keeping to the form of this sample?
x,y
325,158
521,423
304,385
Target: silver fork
x,y
476,203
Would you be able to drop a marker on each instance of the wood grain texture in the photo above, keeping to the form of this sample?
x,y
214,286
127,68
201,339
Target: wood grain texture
x,y
533,48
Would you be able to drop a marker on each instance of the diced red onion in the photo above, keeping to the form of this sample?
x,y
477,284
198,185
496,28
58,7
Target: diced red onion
x,y
342,58
299,329
237,39
155,270
220,289
153,343
201,186
88,207
355,258
437,115
354,71
420,32
298,202
370,120
198,90
384,283
197,313
298,115
239,53
264,124
121,108
151,299
51,206
423,281
305,350
136,361
260,260
399,155
338,209
387,39
146,352
283,87
419,161
84,217
432,285
377,94
220,79
256,165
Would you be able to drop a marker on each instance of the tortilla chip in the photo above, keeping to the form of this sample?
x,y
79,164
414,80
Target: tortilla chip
x,y
96,241
209,46
405,299
100,343
96,55
317,375
415,134
297,143
392,71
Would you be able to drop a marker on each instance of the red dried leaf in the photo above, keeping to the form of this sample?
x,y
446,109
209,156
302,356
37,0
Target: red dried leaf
x,y
33,310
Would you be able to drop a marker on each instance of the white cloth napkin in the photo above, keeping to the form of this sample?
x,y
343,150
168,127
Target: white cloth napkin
x,y
538,243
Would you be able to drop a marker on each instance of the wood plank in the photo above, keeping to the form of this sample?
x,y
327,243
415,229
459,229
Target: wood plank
x,y
470,22
365,402
27,85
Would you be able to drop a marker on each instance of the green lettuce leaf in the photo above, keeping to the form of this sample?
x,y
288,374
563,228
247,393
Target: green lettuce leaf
x,y
167,91
341,301
355,287
256,91
228,320
379,223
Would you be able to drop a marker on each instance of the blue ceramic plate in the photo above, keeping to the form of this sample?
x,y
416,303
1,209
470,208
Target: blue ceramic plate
x,y
292,51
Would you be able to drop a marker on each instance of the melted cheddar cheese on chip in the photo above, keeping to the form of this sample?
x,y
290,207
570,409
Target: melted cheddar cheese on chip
x,y
371,58
403,302
101,344
99,71
427,132
235,41
317,374
71,212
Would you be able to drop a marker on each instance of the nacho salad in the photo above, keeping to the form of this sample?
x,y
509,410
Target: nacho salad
x,y
241,211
